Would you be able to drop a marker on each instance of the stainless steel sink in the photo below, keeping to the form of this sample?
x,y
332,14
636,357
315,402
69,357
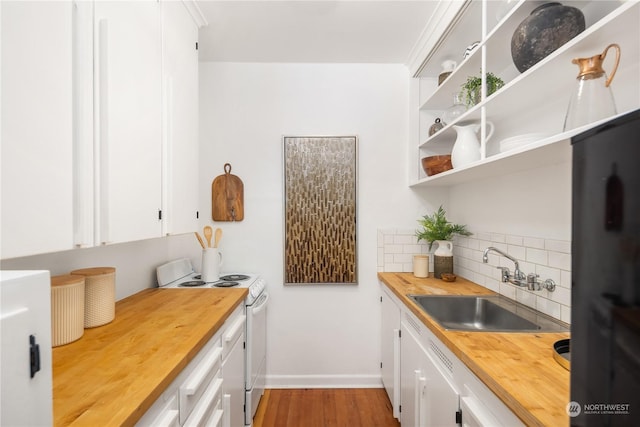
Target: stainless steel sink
x,y
486,313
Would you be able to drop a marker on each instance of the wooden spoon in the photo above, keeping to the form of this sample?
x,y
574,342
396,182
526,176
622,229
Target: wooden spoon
x,y
208,232
218,237
200,239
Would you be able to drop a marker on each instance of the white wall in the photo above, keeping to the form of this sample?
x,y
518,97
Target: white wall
x,y
135,262
321,335
533,203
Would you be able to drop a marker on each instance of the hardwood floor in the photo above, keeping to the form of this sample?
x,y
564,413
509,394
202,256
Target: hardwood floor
x,y
361,407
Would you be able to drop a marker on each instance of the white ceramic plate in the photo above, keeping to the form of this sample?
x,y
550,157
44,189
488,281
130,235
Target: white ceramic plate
x,y
520,140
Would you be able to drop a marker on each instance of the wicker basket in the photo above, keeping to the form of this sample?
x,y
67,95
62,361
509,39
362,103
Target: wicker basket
x,y
67,309
99,296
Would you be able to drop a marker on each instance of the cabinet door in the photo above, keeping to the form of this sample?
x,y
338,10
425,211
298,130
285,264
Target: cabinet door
x,y
127,57
180,124
233,386
441,400
412,378
390,350
36,169
427,397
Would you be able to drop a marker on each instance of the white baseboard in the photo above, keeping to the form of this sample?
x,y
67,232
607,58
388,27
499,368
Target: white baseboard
x,y
323,381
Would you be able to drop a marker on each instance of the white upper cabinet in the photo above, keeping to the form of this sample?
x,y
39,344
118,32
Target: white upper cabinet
x,y
180,118
99,123
128,120
532,102
36,151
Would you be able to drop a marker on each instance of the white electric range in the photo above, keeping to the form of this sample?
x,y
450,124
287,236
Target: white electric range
x,y
179,274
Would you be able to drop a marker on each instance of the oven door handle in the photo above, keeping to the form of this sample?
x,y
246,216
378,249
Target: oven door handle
x,y
261,304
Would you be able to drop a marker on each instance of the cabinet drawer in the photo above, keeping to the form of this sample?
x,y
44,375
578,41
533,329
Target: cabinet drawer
x,y
208,409
197,383
164,413
234,329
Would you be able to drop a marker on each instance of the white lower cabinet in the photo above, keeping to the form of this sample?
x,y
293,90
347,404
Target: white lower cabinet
x,y
210,390
233,343
428,398
436,388
390,350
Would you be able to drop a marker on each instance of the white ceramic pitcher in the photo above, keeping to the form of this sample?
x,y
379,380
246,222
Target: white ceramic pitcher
x,y
467,147
211,264
445,248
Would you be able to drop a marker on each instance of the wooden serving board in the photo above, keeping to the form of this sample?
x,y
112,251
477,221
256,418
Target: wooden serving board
x,y
227,197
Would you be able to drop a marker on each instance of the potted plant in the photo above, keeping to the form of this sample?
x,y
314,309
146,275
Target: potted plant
x,y
471,88
436,228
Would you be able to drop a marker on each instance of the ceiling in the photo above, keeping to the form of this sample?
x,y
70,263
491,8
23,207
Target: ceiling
x,y
321,31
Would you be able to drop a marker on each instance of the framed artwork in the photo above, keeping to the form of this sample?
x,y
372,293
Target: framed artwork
x,y
320,195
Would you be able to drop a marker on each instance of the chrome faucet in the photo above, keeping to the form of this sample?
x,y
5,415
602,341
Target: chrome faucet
x,y
529,281
518,276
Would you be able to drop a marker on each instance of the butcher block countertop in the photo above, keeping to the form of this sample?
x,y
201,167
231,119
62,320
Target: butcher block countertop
x,y
518,367
114,373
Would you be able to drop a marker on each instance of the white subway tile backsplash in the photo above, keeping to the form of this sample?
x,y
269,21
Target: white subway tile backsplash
x,y
548,307
560,260
508,290
514,240
403,239
533,242
473,243
547,273
403,258
393,267
492,284
483,236
549,258
565,279
561,295
518,252
558,246
537,256
526,297
565,314
498,238
411,248
394,249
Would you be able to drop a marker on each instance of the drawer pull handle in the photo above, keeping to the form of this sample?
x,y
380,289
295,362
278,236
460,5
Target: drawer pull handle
x,y
233,330
202,371
208,399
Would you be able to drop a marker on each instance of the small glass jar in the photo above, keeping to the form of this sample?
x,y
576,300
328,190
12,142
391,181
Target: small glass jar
x,y
453,113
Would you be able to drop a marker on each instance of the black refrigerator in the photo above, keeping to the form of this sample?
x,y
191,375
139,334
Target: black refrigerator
x,y
605,296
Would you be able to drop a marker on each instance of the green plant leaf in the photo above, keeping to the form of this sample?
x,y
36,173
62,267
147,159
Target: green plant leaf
x,y
436,227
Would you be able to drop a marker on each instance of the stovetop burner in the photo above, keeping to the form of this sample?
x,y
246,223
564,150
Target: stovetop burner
x,y
192,283
225,284
234,277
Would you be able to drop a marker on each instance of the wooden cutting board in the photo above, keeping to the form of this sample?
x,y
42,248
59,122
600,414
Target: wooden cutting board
x,y
227,197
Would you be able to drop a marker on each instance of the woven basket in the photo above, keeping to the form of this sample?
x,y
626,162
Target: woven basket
x,y
99,295
67,309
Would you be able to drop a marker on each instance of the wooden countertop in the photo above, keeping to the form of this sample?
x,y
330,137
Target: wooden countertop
x,y
518,367
114,373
